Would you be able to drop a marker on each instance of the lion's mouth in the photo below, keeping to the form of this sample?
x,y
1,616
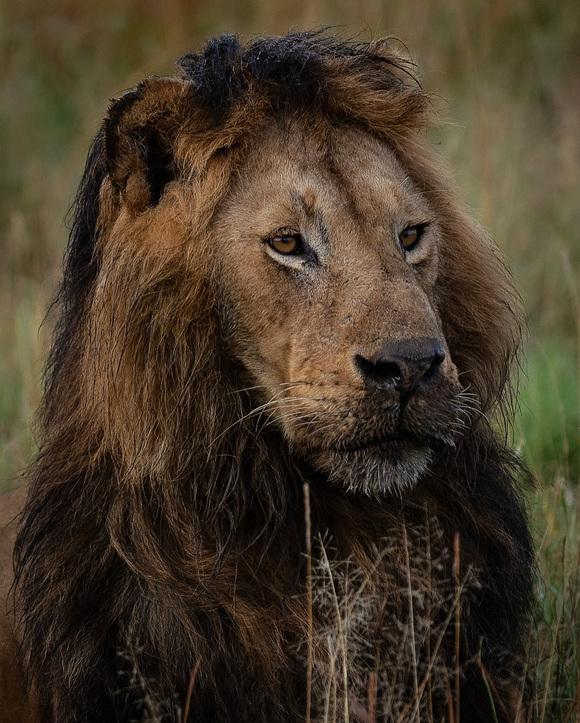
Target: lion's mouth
x,y
383,440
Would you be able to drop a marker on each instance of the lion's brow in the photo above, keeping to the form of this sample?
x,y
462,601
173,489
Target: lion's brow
x,y
306,202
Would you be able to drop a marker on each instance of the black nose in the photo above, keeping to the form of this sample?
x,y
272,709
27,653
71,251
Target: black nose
x,y
401,364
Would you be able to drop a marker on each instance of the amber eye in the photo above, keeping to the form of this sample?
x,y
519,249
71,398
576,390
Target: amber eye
x,y
287,245
410,236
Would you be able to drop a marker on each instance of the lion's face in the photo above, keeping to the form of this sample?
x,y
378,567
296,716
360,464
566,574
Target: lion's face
x,y
328,258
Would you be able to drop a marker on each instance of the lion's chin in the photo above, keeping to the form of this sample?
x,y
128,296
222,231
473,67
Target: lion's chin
x,y
392,468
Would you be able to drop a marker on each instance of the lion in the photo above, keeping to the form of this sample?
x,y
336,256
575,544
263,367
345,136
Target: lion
x,y
272,483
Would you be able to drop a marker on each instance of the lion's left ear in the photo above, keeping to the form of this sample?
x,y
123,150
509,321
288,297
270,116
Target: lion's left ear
x,y
141,132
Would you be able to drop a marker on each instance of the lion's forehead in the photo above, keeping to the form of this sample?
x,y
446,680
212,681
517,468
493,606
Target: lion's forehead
x,y
345,173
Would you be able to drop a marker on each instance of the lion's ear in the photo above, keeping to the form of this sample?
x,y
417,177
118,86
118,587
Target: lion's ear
x,y
141,132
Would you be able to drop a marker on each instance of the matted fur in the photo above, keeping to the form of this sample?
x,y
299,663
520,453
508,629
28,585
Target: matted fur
x,y
163,534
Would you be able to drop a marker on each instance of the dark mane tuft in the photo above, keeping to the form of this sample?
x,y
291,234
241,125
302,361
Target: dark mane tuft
x,y
291,69
81,265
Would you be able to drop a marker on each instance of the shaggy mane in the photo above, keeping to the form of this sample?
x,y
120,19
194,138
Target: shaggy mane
x,y
155,537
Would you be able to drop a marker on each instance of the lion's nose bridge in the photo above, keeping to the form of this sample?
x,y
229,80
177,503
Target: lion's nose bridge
x,y
380,309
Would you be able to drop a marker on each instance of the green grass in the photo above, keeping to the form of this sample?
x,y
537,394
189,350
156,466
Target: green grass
x,y
23,345
547,426
511,134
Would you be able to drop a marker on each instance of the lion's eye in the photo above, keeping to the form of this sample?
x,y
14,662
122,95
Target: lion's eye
x,y
410,236
287,244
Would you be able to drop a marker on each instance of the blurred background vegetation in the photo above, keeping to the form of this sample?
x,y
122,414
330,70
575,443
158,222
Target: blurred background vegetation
x,y
507,73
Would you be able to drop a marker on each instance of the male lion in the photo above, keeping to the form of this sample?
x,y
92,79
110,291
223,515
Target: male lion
x,y
269,486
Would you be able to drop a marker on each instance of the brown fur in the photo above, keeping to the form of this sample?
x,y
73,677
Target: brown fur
x,y
197,383
13,697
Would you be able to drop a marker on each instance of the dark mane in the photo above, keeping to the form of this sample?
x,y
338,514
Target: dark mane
x,y
155,537
291,70
80,263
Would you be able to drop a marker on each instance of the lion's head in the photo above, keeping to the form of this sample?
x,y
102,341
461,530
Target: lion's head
x,y
279,197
